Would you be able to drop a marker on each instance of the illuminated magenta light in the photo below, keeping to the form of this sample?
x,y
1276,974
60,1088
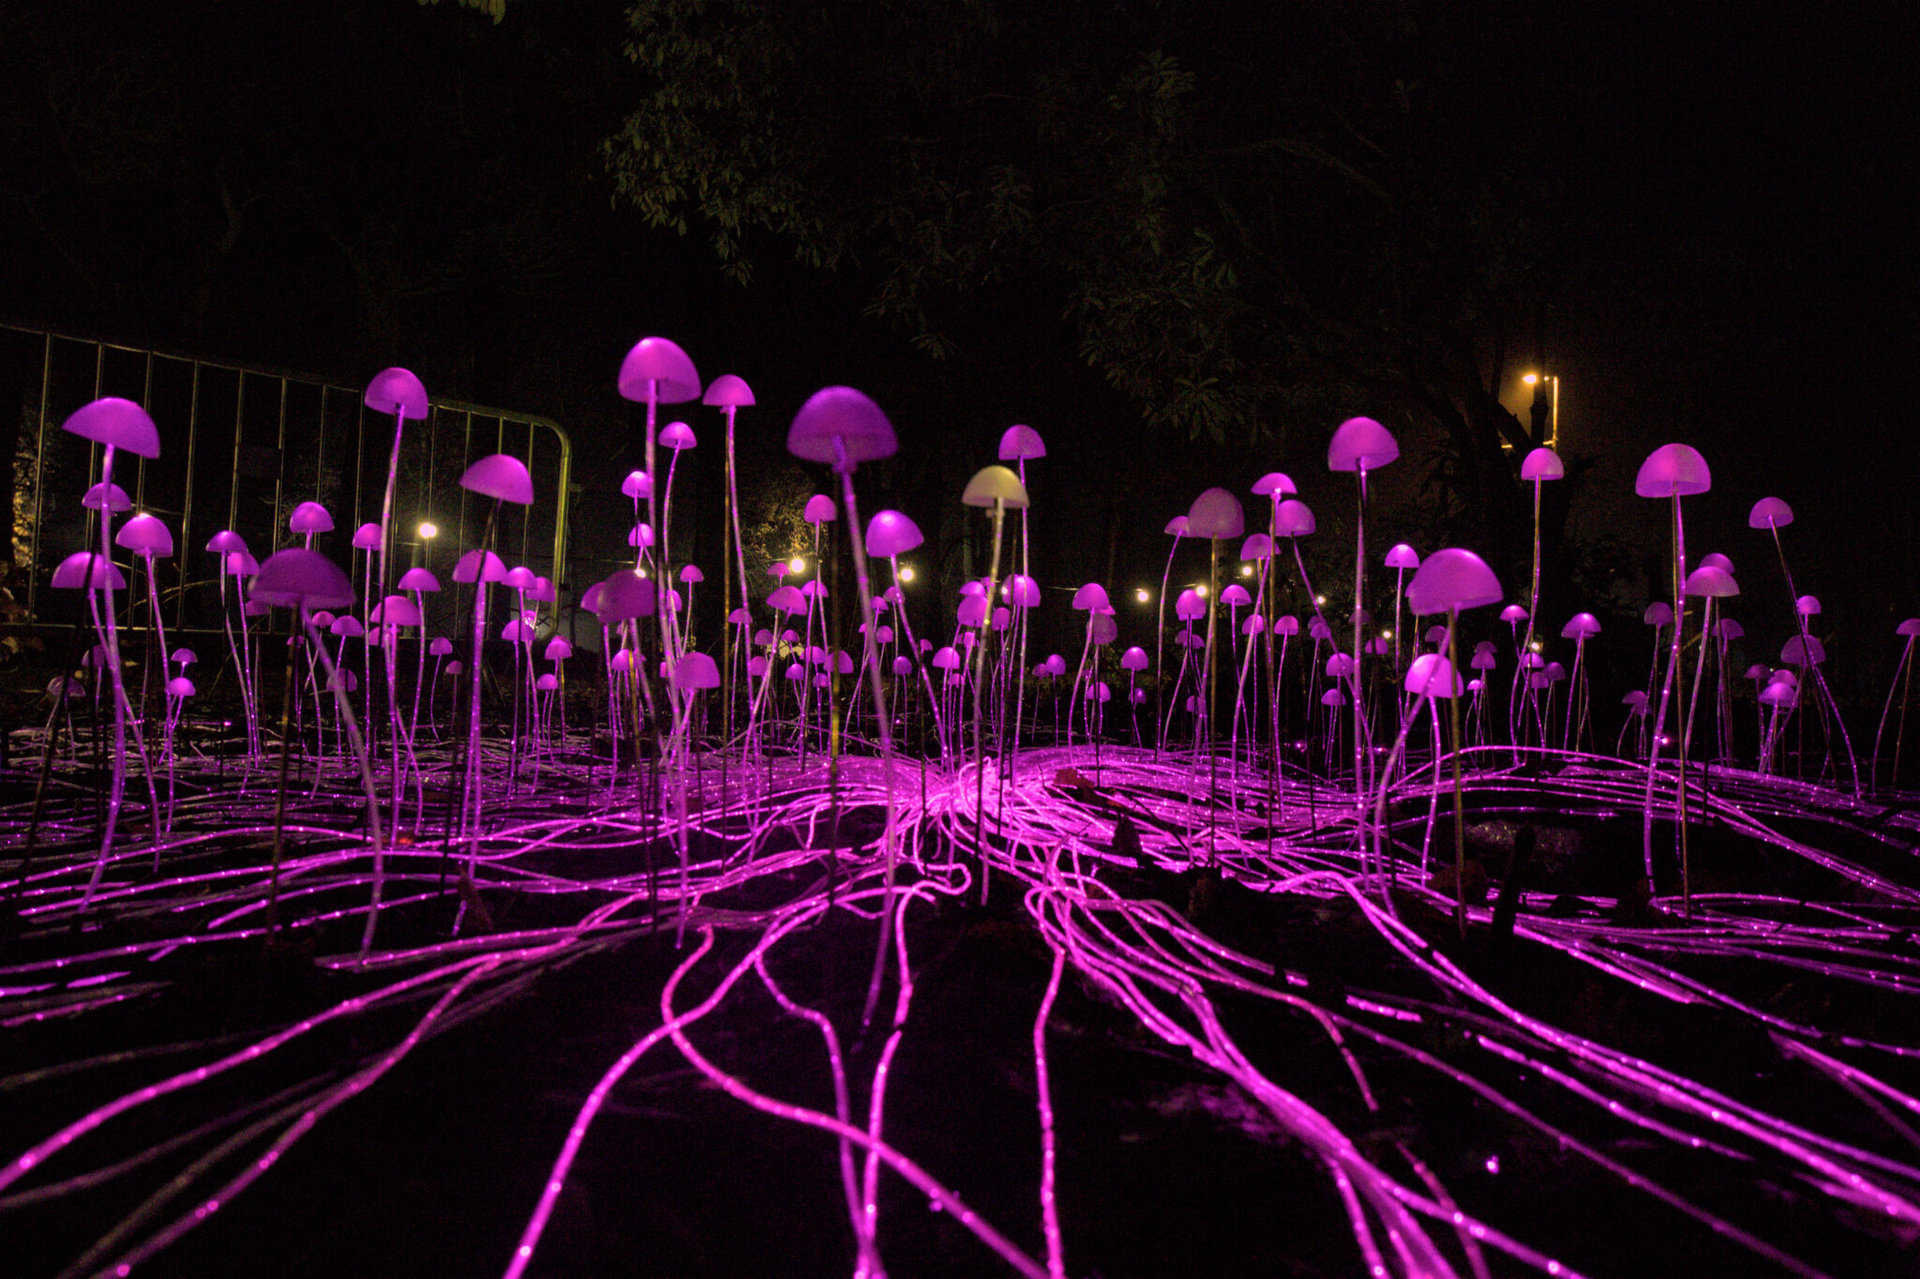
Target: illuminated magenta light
x,y
794,740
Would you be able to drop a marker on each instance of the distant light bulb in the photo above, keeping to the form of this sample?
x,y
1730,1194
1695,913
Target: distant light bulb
x,y
429,530
1246,570
798,564
906,573
1387,634
1534,646
1529,378
1142,595
1201,590
1320,600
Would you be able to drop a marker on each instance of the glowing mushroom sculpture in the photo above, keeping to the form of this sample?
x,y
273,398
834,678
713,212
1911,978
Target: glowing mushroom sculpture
x,y
1541,466
1580,628
147,536
305,580
1773,514
1090,598
891,534
421,582
1020,444
1903,682
114,424
996,490
1709,583
730,393
1671,472
1449,581
656,371
1214,515
309,520
1176,529
676,438
1402,559
504,478
1360,445
843,427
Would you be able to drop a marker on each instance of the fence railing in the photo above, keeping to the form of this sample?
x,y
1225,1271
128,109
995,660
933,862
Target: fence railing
x,y
241,446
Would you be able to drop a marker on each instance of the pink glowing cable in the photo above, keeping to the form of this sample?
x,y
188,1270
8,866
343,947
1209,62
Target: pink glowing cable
x,y
1084,840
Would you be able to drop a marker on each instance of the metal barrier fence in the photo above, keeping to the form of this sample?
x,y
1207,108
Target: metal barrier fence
x,y
240,448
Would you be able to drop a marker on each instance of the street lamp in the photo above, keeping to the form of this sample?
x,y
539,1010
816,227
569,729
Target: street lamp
x,y
426,531
1553,385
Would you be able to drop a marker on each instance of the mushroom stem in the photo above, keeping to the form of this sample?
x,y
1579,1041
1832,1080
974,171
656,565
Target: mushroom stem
x,y
1019,621
1359,697
1699,672
358,744
1904,667
1669,688
1159,648
280,789
979,665
913,652
1459,804
1206,701
871,656
738,557
470,794
107,624
1806,651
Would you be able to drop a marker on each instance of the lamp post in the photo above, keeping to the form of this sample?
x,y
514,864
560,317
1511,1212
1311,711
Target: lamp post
x,y
1551,384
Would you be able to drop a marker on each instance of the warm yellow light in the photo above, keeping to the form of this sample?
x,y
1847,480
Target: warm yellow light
x,y
1246,570
906,573
1200,589
429,530
1320,601
1142,595
1387,634
1529,378
798,564
1535,646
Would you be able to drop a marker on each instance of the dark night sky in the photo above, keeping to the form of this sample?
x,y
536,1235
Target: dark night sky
x,y
1739,271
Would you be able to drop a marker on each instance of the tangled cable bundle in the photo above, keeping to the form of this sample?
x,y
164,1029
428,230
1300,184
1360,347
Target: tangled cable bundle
x,y
1460,988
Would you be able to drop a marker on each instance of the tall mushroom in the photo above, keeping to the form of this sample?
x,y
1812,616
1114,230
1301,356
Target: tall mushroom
x,y
114,424
1360,445
843,427
997,489
730,393
655,372
1448,581
1580,628
304,580
1672,471
1773,514
1214,514
503,478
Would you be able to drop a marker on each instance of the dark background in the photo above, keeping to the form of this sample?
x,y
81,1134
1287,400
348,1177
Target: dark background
x,y
1700,222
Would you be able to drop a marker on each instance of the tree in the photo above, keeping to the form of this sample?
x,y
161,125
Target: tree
x,y
1247,215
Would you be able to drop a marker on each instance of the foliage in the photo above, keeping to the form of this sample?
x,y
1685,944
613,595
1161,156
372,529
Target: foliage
x,y
495,9
1231,206
771,523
